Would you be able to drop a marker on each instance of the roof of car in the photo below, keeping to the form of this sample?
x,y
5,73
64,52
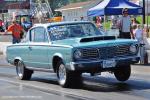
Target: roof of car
x,y
58,23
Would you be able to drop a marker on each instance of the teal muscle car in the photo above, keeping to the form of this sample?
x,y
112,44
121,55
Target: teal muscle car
x,y
70,49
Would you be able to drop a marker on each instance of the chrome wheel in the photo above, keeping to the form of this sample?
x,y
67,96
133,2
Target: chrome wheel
x,y
62,74
67,78
20,69
22,72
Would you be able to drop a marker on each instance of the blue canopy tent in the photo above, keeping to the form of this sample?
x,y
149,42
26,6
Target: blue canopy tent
x,y
114,7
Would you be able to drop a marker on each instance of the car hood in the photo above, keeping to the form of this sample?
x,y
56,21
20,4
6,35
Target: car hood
x,y
93,41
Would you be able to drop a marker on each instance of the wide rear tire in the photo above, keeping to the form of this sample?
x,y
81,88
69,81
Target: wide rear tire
x,y
22,72
122,73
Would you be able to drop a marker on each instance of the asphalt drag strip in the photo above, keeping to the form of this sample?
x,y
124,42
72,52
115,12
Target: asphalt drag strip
x,y
51,91
95,88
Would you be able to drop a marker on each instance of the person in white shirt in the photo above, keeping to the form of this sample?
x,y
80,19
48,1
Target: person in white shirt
x,y
138,33
125,25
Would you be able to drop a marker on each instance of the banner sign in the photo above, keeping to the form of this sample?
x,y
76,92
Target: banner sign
x,y
14,4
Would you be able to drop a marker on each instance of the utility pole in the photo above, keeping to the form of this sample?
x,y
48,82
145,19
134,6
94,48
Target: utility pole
x,y
142,49
147,16
143,11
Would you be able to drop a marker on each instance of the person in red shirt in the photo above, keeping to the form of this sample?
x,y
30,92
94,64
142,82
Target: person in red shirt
x,y
16,30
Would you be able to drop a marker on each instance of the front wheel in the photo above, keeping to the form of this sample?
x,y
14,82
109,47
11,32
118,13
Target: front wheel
x,y
122,73
67,78
22,72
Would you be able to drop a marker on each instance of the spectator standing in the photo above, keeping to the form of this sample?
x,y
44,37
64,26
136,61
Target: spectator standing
x,y
82,18
23,24
98,21
138,32
134,21
1,26
26,24
125,25
134,24
16,30
63,18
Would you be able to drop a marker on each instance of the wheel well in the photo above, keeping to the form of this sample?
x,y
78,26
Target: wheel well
x,y
16,61
56,59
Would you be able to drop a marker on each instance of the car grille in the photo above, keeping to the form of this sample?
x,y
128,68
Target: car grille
x,y
90,53
115,51
107,52
122,50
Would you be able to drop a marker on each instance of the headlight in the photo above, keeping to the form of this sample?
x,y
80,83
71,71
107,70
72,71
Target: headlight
x,y
77,54
133,49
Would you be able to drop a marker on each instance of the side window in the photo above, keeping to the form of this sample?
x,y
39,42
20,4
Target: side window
x,y
27,38
40,35
31,35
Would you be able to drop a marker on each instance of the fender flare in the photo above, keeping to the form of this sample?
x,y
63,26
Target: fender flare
x,y
16,59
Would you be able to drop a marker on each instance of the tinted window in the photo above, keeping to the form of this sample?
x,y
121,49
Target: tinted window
x,y
39,35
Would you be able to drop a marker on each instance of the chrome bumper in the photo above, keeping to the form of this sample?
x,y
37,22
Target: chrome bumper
x,y
96,65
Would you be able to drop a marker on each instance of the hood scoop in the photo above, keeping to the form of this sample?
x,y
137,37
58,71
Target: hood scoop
x,y
98,38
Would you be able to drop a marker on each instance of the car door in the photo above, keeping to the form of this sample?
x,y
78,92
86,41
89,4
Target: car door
x,y
24,49
38,48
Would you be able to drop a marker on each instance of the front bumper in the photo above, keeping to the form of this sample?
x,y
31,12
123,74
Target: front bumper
x,y
97,65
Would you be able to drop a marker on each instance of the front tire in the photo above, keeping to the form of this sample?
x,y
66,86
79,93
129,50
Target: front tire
x,y
67,78
22,72
122,73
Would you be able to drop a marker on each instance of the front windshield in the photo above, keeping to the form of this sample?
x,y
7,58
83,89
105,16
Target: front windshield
x,y
59,32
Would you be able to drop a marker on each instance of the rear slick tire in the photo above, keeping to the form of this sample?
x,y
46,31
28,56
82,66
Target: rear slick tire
x,y
22,72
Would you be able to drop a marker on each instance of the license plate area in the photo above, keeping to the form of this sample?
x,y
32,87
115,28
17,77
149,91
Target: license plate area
x,y
109,63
